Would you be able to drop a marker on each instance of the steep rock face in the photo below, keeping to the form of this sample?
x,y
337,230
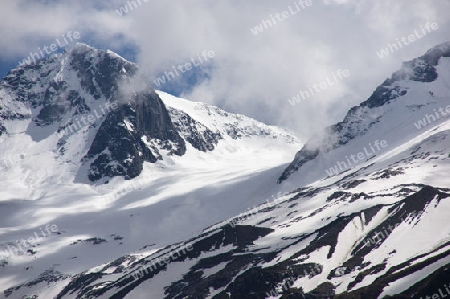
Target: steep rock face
x,y
360,119
194,132
128,136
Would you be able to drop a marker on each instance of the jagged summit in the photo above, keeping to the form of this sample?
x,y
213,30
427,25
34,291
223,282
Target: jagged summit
x,y
88,94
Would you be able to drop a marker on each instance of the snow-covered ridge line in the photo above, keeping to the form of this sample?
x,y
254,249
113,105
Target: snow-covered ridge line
x,y
419,88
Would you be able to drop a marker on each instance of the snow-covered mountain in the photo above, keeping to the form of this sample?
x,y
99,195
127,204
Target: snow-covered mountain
x,y
90,149
90,100
361,212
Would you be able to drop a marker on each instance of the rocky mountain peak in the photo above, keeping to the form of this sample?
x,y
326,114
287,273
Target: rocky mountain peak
x,y
97,97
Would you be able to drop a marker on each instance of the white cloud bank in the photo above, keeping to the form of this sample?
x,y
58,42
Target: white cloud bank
x,y
251,74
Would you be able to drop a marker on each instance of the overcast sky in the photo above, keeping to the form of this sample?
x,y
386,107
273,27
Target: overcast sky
x,y
251,74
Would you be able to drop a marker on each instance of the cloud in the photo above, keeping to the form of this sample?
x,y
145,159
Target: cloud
x,y
250,74
27,25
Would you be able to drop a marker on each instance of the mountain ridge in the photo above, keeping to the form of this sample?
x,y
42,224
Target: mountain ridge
x,y
421,69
